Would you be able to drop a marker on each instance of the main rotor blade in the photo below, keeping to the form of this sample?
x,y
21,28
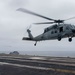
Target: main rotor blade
x,y
44,23
32,13
69,18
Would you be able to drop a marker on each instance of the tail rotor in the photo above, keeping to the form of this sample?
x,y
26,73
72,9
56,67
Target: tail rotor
x,y
27,29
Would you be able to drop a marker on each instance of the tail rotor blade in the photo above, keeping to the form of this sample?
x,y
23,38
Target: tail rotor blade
x,y
27,28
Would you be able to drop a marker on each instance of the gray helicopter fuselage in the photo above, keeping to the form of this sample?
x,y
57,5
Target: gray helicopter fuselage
x,y
56,32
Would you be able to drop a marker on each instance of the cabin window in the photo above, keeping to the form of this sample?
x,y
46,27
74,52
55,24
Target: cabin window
x,y
52,32
55,31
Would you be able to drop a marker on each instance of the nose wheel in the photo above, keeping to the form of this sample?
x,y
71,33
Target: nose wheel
x,y
70,39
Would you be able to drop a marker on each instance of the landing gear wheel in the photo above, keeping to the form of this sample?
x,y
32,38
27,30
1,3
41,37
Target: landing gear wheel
x,y
59,38
70,39
35,44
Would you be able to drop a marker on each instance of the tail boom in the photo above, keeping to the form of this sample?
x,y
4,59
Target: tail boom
x,y
28,39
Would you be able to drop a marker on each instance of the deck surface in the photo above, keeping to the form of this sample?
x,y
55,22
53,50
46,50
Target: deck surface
x,y
38,65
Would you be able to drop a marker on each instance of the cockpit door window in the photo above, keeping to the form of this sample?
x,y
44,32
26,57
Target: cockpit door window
x,y
61,29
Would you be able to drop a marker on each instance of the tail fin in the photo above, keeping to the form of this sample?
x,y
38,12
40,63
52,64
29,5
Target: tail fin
x,y
29,34
30,38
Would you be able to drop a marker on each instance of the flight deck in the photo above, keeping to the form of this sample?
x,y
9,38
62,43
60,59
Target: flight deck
x,y
37,65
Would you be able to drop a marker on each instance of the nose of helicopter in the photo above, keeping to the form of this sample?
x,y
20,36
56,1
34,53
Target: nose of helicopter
x,y
73,30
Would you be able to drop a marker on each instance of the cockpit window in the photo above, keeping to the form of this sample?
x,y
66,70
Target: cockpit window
x,y
72,26
67,28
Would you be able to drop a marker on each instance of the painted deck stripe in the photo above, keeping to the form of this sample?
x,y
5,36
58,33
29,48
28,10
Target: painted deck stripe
x,y
39,68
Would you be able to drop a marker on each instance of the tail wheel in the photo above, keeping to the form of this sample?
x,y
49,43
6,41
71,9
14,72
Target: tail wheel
x,y
35,43
59,38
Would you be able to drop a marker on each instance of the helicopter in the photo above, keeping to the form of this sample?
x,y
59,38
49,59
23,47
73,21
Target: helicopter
x,y
58,30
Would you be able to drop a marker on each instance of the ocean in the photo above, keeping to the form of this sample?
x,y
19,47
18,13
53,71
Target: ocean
x,y
46,53
51,53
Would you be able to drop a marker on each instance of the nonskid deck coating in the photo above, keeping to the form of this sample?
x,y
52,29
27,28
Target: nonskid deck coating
x,y
14,61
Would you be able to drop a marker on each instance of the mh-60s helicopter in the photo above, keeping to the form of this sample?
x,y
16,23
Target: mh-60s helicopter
x,y
57,31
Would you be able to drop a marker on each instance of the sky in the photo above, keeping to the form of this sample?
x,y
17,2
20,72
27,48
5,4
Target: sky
x,y
13,24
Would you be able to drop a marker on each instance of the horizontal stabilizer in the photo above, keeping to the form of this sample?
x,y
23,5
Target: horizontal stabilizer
x,y
26,38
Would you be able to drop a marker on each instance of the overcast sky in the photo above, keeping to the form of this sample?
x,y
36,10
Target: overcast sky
x,y
13,24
